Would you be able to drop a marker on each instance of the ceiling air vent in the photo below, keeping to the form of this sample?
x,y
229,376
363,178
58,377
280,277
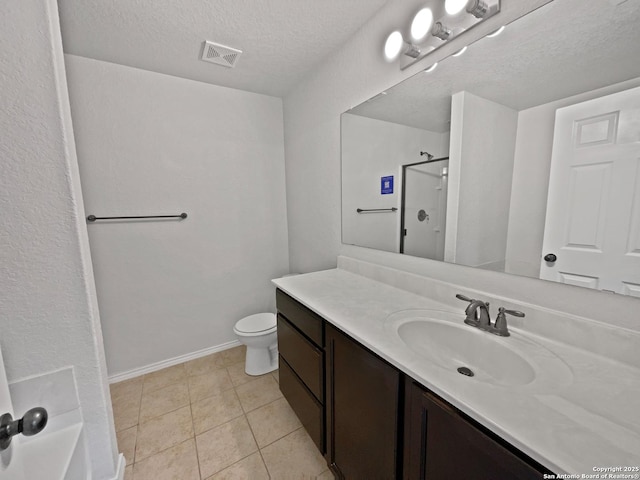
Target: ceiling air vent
x,y
220,54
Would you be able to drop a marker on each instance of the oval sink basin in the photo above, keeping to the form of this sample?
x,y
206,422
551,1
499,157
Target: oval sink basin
x,y
451,345
443,339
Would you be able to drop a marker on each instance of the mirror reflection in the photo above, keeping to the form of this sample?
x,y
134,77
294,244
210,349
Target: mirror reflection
x,y
521,156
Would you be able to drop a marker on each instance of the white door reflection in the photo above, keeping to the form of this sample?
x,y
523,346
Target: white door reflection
x,y
592,229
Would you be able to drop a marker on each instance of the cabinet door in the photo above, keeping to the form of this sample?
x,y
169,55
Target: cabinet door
x,y
442,444
362,410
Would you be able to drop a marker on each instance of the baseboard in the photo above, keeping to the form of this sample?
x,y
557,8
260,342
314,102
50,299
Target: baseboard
x,y
136,372
121,466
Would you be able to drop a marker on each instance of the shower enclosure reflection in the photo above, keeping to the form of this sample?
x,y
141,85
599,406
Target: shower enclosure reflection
x,y
423,208
372,150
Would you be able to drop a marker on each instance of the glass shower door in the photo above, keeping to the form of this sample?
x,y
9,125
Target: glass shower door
x,y
424,209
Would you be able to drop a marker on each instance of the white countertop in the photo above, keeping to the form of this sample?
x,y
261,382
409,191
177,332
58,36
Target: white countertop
x,y
590,421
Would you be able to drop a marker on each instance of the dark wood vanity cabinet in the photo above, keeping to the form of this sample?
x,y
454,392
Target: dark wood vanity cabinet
x,y
442,443
301,364
371,421
363,411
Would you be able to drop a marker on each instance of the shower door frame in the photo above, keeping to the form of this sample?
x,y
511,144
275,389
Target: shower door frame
x,y
403,195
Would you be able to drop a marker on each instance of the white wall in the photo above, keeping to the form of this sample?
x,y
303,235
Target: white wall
x,y
483,137
532,163
312,147
155,144
49,317
372,149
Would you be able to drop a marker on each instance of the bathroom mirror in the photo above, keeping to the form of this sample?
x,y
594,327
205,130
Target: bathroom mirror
x,y
522,155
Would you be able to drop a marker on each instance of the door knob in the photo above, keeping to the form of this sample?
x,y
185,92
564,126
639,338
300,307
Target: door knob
x,y
32,423
550,257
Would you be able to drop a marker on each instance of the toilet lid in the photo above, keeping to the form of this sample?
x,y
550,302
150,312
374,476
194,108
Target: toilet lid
x,y
259,322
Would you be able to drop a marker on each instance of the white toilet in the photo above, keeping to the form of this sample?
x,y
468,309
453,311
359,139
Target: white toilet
x,y
259,333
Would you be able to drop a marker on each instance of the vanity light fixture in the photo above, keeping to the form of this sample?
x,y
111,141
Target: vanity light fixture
x,y
421,24
441,31
497,32
453,7
477,8
395,44
427,32
460,52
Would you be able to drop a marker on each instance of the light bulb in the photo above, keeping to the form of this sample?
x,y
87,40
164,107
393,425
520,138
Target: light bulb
x,y
421,24
393,45
454,7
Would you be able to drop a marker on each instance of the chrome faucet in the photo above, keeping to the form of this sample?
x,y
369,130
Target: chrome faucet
x,y
478,316
477,312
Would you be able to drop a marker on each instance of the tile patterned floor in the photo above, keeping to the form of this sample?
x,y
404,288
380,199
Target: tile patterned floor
x,y
207,420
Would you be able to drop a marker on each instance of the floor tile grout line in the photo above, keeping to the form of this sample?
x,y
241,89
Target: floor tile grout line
x,y
246,412
232,464
167,385
223,423
135,445
195,441
171,446
138,422
163,414
258,445
252,379
155,390
252,432
243,408
220,392
164,450
168,448
208,372
259,450
144,376
187,376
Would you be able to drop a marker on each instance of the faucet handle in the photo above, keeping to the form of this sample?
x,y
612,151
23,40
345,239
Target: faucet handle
x,y
500,326
462,297
515,313
467,299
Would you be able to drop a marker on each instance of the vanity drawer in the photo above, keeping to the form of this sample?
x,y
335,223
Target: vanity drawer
x,y
303,403
303,357
304,319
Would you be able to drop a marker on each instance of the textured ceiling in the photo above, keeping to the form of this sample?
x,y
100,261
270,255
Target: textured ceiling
x,y
562,49
281,40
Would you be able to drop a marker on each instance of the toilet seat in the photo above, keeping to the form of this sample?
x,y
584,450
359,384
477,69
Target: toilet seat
x,y
257,324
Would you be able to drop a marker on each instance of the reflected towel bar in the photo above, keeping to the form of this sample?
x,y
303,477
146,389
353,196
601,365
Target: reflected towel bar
x,y
360,210
93,218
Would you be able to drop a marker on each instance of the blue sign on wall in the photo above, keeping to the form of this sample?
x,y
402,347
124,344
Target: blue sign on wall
x,y
386,185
